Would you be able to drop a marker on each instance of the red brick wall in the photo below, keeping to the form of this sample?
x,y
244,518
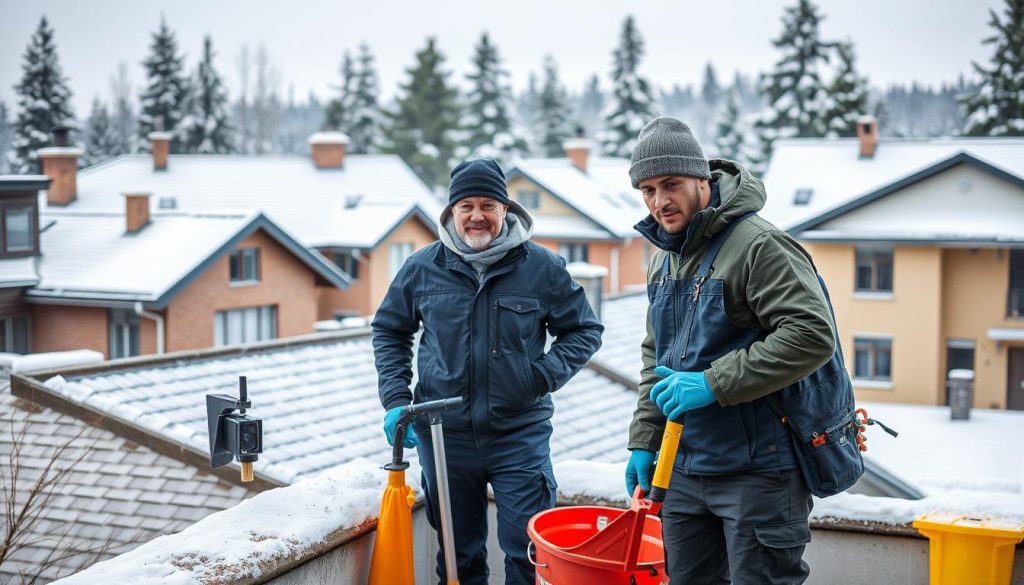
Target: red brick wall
x,y
60,328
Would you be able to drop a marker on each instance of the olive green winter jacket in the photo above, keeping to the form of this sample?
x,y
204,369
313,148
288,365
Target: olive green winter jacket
x,y
769,281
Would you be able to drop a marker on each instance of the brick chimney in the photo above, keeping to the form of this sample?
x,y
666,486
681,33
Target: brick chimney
x,y
328,149
60,163
160,144
867,135
578,150
136,211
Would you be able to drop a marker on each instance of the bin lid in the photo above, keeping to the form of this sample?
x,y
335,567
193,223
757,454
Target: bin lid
x,y
977,524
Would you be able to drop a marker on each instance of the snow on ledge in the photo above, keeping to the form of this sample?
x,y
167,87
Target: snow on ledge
x,y
54,359
277,527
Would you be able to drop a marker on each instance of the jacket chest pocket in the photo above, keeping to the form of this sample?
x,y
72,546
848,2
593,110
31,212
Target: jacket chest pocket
x,y
516,324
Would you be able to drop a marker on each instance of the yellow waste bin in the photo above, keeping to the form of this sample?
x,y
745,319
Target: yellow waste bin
x,y
974,549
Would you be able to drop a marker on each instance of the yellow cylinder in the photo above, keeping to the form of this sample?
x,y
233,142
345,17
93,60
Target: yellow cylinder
x,y
667,454
246,471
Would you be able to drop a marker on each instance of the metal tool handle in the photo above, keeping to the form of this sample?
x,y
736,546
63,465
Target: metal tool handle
x,y
532,557
444,503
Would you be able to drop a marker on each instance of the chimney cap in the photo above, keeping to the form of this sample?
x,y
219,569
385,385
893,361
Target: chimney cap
x,y
60,151
136,194
866,119
578,143
160,135
328,137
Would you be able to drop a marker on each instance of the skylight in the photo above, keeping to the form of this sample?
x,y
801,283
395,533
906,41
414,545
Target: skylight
x,y
802,196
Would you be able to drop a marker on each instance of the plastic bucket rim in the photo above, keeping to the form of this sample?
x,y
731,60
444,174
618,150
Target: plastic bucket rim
x,y
543,544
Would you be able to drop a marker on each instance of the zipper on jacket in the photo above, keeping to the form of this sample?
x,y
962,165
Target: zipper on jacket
x,y
496,348
698,283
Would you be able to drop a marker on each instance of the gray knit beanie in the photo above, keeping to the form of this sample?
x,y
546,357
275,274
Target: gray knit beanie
x,y
667,147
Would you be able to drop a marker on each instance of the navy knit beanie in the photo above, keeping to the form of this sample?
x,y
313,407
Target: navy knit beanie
x,y
478,178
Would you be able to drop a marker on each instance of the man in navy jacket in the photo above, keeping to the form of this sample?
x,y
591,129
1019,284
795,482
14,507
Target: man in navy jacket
x,y
486,298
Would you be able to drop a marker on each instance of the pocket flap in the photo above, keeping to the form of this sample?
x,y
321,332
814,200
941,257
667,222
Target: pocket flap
x,y
519,305
784,535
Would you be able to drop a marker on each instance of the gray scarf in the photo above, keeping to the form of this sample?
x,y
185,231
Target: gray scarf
x,y
516,229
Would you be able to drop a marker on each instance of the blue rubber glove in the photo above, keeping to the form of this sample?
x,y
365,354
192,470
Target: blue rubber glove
x,y
638,470
391,425
679,392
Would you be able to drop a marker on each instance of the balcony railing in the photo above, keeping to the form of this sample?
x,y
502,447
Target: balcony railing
x,y
1015,303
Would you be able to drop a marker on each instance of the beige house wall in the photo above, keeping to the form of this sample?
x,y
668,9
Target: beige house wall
x,y
547,203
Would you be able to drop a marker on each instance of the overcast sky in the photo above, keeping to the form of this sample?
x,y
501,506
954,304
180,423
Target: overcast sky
x,y
896,40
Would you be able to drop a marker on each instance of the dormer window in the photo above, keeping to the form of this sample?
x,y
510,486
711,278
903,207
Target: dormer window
x,y
802,196
18,229
245,265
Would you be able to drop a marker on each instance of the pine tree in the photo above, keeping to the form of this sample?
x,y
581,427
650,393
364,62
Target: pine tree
x,y
847,96
710,99
794,91
490,131
552,114
365,122
591,106
632,103
163,102
736,139
338,114
122,113
421,129
997,109
207,127
5,136
44,101
101,141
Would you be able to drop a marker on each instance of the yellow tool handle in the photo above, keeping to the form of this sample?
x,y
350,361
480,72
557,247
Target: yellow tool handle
x,y
247,471
666,458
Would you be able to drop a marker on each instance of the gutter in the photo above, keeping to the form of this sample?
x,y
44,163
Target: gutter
x,y
159,325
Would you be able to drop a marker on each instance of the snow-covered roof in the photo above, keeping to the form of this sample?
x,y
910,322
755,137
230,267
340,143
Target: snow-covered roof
x,y
318,401
830,173
114,494
18,272
357,205
603,194
89,255
624,319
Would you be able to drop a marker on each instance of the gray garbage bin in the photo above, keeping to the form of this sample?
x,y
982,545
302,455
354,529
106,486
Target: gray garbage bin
x,y
961,394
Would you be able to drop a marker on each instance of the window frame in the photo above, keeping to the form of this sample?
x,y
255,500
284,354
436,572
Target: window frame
x,y
573,248
404,249
522,195
237,264
266,317
874,346
121,322
347,261
7,331
872,259
33,227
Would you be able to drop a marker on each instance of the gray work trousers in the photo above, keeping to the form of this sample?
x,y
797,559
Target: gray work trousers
x,y
744,529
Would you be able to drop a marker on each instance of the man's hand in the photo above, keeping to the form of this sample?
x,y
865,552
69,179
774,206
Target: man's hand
x,y
680,392
638,470
391,424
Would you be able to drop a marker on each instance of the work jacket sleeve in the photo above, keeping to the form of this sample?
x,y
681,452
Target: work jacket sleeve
x,y
783,291
576,330
394,328
648,421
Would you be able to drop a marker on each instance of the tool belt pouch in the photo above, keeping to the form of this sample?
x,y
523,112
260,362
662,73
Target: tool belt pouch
x,y
819,412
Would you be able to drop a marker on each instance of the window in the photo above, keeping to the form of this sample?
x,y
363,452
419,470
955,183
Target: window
x,y
397,255
18,232
528,199
14,334
874,270
246,325
574,252
124,333
245,265
802,196
873,359
1015,296
348,261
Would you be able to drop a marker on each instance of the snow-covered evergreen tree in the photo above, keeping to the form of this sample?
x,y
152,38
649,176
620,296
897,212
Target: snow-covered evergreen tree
x,y
736,139
101,140
365,121
44,101
163,102
631,105
338,114
591,105
487,116
5,136
997,109
552,114
122,112
710,101
422,127
207,127
795,92
847,96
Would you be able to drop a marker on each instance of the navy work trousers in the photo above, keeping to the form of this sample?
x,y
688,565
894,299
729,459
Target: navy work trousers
x,y
743,528
517,464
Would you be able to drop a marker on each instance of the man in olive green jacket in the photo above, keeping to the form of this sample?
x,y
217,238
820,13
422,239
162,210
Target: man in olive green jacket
x,y
736,314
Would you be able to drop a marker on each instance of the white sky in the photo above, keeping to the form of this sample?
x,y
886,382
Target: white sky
x,y
896,40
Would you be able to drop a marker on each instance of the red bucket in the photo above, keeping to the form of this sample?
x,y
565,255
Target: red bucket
x,y
594,545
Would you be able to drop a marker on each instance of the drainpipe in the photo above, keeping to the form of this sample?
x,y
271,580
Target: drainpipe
x,y
159,325
614,285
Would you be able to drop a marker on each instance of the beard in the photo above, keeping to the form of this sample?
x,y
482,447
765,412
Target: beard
x,y
478,243
688,209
